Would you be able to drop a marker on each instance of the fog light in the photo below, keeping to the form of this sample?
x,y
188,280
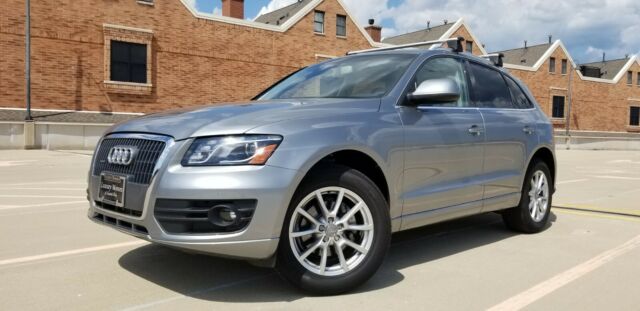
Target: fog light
x,y
223,215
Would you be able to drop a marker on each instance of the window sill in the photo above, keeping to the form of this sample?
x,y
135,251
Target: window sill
x,y
558,120
633,128
341,37
148,3
128,87
319,34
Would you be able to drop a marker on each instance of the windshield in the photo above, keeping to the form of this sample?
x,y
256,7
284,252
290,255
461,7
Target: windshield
x,y
366,76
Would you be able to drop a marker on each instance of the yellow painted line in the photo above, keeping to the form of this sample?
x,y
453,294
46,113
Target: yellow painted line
x,y
597,215
544,288
591,208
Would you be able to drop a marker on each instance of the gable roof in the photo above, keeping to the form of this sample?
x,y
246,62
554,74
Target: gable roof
x,y
280,16
427,34
609,68
284,26
441,32
528,56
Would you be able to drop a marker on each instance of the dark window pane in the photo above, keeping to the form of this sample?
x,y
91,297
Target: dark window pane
x,y
139,73
638,79
564,66
469,46
120,71
489,88
119,51
138,53
521,100
630,77
552,64
558,107
128,62
634,116
341,25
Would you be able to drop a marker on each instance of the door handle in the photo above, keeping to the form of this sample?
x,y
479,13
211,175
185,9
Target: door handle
x,y
475,130
528,130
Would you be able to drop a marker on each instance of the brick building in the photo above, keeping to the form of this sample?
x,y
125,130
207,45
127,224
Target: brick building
x,y
600,96
153,55
99,62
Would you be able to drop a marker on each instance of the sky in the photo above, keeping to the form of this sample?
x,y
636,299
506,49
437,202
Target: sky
x,y
588,28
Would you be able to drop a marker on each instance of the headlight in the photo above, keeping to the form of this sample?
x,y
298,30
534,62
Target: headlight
x,y
231,150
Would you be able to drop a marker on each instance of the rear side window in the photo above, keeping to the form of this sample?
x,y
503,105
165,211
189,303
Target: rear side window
x,y
520,100
489,88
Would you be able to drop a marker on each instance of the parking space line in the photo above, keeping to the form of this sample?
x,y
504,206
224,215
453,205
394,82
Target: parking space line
x,y
198,292
11,207
616,177
597,215
69,253
29,188
571,181
26,196
544,288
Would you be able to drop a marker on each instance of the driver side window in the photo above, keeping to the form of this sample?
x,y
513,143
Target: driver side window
x,y
445,68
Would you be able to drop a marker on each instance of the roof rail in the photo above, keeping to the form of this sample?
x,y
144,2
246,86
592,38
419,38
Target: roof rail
x,y
453,43
495,59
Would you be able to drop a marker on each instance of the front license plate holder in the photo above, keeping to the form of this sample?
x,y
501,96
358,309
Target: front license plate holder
x,y
112,189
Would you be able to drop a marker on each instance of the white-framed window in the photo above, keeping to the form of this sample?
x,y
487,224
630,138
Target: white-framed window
x,y
318,22
341,25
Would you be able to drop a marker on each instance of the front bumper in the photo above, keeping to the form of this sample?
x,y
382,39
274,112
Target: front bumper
x,y
272,187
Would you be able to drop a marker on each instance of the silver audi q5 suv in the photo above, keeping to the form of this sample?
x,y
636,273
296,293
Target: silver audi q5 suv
x,y
315,174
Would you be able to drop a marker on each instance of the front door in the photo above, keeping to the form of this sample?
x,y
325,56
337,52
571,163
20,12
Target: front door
x,y
443,151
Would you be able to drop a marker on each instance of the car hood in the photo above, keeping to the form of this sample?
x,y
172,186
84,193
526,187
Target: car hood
x,y
238,118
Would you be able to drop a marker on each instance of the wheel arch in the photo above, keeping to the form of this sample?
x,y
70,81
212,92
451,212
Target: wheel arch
x,y
546,155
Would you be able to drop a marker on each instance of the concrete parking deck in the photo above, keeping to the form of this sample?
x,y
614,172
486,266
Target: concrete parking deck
x,y
53,257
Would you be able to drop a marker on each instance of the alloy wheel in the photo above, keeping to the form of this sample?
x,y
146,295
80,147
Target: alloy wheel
x,y
538,196
331,231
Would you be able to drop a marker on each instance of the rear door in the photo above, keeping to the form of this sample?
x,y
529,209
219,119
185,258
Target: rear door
x,y
510,134
443,150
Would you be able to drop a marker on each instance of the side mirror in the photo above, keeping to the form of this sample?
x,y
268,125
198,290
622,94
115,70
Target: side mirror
x,y
435,91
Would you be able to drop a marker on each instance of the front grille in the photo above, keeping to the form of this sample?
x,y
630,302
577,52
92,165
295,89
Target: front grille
x,y
141,170
119,210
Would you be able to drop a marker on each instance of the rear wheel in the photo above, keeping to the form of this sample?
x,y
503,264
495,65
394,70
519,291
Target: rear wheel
x,y
532,214
336,232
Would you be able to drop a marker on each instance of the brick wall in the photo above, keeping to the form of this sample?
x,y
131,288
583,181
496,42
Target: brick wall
x,y
193,61
596,106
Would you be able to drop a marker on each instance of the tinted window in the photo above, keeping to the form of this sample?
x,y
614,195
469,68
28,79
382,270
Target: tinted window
x,y
341,25
557,111
552,64
128,62
520,99
489,88
445,68
634,116
362,76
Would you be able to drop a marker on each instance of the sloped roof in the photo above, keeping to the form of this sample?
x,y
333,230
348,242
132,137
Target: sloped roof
x,y
525,56
609,68
280,16
427,34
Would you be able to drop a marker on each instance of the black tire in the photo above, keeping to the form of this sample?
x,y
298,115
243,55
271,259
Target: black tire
x,y
519,218
292,270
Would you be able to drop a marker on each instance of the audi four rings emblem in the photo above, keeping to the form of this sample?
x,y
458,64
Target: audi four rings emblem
x,y
122,155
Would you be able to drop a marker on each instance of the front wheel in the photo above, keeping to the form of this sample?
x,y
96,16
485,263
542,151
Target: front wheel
x,y
532,214
336,232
